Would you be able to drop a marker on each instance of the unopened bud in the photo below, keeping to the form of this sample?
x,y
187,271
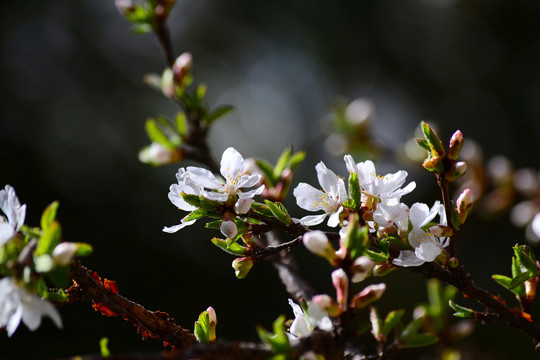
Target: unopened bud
x,y
341,283
242,266
456,171
228,227
157,154
456,142
464,204
361,268
63,253
167,83
530,288
212,322
453,262
433,164
317,242
441,230
433,139
383,269
326,303
368,295
125,7
182,67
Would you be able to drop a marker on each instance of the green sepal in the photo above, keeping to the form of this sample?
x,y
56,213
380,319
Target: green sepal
x,y
50,237
433,140
411,329
230,247
278,341
49,215
279,211
391,320
375,256
219,112
460,311
419,340
202,328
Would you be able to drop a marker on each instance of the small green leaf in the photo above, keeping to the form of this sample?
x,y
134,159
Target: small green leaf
x,y
502,280
296,159
419,340
411,329
219,112
392,319
356,239
520,280
278,341
355,193
282,162
433,140
262,209
200,93
460,311
267,170
196,214
375,256
202,328
232,248
181,123
423,144
83,249
200,201
103,346
277,210
525,260
50,237
157,135
49,215
518,289
57,296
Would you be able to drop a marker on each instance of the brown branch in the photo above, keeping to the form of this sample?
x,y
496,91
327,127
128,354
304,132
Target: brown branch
x,y
155,324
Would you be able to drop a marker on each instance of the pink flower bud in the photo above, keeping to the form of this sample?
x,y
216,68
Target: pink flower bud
x,y
317,242
441,230
464,204
212,322
341,283
182,67
326,303
368,295
361,268
63,253
228,228
456,171
456,142
242,266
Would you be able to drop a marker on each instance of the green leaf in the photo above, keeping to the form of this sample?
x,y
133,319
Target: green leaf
x,y
202,328
49,215
433,140
502,280
411,329
356,239
50,237
282,162
196,214
520,280
296,159
460,311
181,123
278,341
375,256
200,201
83,249
396,240
279,212
525,259
57,296
219,112
200,93
423,144
516,288
392,319
262,209
355,193
103,346
267,170
420,340
156,134
232,248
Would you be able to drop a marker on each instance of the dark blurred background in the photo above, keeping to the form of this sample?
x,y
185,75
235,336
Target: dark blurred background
x,y
73,111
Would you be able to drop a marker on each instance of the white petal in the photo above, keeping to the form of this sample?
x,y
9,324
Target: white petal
x,y
351,165
216,196
427,251
175,228
418,213
232,164
366,173
307,197
204,178
243,205
6,232
327,179
407,258
252,193
312,220
14,321
247,181
333,220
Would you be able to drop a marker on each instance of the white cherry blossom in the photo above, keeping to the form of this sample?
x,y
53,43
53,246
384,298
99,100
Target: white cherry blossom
x,y
379,189
17,304
329,199
11,207
185,186
305,322
426,245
